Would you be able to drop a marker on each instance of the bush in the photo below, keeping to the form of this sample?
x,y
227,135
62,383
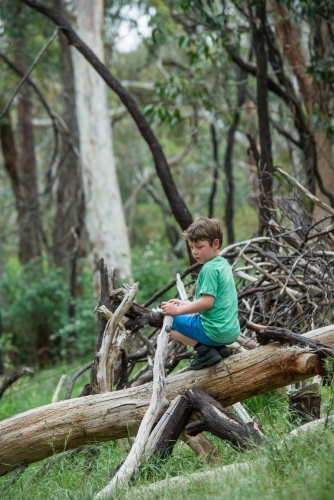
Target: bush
x,y
37,298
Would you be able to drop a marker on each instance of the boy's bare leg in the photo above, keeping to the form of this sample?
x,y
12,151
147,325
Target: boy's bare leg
x,y
183,338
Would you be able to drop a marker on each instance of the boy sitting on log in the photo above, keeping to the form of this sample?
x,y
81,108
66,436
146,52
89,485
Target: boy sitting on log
x,y
210,322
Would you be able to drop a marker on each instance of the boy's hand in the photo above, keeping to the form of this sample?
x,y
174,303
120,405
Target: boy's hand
x,y
170,307
176,307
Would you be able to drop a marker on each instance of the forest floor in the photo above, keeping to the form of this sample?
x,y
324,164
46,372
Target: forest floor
x,y
283,468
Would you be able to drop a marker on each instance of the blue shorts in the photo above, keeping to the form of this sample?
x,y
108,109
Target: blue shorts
x,y
190,326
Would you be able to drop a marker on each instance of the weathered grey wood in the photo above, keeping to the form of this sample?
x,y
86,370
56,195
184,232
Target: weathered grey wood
x,y
167,431
106,281
112,341
311,426
177,482
220,421
58,388
157,402
25,438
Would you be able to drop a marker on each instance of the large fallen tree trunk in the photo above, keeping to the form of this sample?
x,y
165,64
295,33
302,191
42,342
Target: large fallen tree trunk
x,y
41,432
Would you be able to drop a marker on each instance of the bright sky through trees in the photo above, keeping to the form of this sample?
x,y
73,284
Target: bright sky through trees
x,y
133,28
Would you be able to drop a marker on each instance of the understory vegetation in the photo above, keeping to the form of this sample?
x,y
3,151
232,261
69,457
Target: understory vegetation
x,y
283,468
220,109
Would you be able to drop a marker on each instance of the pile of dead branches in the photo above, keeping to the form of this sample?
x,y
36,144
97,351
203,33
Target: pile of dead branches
x,y
285,279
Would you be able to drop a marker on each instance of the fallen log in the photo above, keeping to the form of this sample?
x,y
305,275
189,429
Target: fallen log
x,y
167,431
220,422
266,333
41,432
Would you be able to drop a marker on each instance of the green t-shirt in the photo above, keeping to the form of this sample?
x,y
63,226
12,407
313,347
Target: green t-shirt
x,y
220,322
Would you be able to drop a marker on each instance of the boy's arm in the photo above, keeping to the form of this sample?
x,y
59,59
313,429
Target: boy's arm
x,y
199,305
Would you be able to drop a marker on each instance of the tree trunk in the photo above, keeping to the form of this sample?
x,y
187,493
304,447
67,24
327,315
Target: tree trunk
x,y
22,174
9,152
324,185
69,232
265,164
316,96
105,220
20,163
215,158
30,224
30,228
229,186
69,217
25,438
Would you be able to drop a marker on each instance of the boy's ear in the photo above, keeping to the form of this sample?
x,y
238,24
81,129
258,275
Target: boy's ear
x,y
216,244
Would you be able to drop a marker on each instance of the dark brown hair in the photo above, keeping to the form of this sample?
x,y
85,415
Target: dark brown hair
x,y
204,229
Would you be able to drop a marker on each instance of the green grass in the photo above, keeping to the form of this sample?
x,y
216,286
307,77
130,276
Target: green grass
x,y
298,468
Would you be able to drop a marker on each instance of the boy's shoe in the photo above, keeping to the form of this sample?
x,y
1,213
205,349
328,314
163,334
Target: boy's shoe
x,y
223,351
206,355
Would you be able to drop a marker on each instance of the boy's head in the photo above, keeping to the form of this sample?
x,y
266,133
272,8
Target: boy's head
x,y
204,229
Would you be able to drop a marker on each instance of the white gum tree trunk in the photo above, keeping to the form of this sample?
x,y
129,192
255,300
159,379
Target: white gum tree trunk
x,y
105,219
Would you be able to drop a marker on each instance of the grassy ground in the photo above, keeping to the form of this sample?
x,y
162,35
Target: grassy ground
x,y
298,468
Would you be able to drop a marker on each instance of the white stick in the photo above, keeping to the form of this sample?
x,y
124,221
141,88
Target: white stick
x,y
180,288
58,389
157,402
174,482
242,413
307,193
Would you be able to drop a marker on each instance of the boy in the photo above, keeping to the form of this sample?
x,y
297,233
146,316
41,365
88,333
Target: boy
x,y
211,321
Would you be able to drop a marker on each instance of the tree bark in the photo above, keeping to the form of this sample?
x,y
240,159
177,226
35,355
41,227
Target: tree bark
x,y
40,432
229,186
21,168
157,403
10,156
105,219
30,228
215,158
265,165
220,422
70,206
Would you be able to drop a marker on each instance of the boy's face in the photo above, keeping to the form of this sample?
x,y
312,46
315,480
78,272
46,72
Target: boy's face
x,y
202,251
